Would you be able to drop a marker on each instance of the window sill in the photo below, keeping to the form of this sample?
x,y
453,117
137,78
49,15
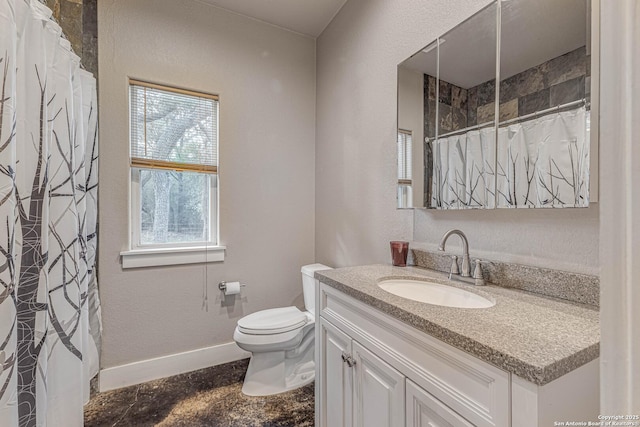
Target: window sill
x,y
171,256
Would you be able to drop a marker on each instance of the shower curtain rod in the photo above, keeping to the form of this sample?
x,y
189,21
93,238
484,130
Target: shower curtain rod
x,y
582,101
465,130
516,119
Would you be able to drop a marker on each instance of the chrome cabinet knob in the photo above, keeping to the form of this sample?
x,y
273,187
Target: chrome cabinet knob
x,y
351,362
346,358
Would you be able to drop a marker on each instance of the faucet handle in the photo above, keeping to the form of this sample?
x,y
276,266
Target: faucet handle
x,y
477,274
454,266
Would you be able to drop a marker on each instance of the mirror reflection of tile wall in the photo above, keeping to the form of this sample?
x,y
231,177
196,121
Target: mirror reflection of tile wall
x,y
558,81
532,155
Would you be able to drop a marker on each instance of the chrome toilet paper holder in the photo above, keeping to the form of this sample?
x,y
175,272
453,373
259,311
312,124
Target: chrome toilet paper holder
x,y
223,285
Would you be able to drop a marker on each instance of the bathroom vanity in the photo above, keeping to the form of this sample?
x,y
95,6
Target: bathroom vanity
x,y
383,360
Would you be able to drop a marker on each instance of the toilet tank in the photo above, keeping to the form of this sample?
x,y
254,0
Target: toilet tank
x,y
309,285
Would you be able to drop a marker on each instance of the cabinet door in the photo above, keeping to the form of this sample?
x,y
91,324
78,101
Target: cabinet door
x,y
336,377
424,410
379,391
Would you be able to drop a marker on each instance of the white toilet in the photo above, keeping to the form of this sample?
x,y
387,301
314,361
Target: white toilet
x,y
282,343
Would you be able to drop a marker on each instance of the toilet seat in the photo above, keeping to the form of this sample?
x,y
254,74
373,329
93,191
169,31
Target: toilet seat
x,y
273,321
266,342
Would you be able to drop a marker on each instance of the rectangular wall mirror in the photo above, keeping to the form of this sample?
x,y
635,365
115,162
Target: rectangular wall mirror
x,y
465,142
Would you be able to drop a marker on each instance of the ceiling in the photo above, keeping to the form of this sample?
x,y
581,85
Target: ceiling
x,y
532,33
309,17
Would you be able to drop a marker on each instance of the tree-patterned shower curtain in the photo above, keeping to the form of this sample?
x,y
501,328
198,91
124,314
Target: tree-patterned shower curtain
x,y
49,307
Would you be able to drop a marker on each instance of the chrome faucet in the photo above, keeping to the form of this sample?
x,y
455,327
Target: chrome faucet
x,y
466,263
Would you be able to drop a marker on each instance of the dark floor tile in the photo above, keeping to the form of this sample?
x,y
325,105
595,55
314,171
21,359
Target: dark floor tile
x,y
208,397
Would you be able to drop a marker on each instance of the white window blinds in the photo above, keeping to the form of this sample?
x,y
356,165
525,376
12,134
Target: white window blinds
x,y
404,156
173,128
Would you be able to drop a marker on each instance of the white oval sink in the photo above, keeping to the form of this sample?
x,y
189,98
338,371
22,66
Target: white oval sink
x,y
434,293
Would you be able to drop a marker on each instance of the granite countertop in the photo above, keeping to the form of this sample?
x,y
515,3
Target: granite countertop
x,y
535,337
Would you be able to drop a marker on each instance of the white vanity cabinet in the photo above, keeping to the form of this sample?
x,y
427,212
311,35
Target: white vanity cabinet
x,y
359,388
366,359
375,371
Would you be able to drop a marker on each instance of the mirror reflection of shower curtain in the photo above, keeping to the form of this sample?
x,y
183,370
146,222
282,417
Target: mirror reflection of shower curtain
x,y
544,162
457,171
49,306
463,173
440,189
480,188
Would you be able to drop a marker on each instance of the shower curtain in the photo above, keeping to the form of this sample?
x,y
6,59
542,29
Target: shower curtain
x,y
463,176
544,162
49,307
541,163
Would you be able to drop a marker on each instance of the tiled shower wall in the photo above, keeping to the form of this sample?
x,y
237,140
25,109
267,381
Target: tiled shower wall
x,y
555,82
79,22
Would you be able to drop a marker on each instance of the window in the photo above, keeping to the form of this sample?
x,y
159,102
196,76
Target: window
x,y
174,166
405,195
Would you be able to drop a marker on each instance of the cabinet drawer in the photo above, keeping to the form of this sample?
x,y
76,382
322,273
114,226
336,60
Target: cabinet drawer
x,y
476,390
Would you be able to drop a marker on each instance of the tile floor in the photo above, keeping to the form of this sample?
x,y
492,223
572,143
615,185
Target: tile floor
x,y
209,397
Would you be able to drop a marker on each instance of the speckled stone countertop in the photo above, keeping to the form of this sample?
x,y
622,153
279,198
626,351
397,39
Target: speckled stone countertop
x,y
534,337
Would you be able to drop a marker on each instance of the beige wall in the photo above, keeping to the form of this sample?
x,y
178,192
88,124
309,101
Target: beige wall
x,y
265,77
357,56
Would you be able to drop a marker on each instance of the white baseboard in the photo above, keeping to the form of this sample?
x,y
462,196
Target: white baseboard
x,y
166,366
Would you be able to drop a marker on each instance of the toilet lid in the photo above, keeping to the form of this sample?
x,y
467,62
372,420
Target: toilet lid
x,y
272,321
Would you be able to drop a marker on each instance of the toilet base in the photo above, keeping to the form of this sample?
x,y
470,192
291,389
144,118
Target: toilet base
x,y
272,373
